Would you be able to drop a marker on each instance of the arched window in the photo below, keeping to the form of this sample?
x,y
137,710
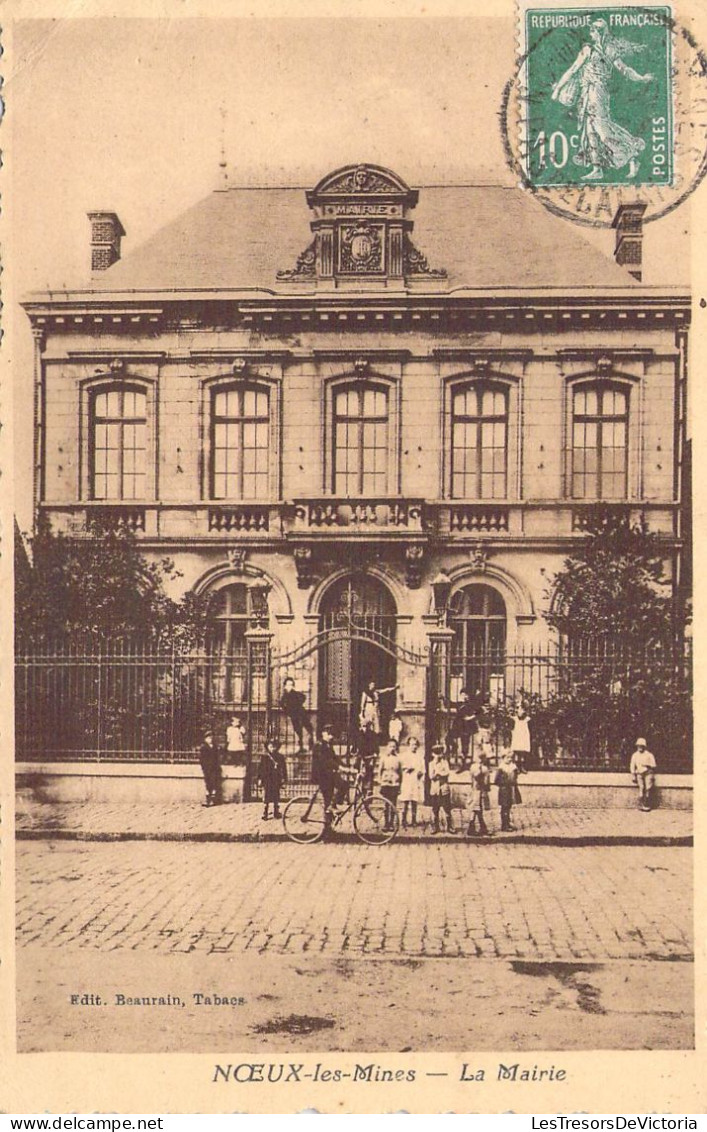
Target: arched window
x,y
118,431
361,440
479,458
230,614
599,442
240,443
477,614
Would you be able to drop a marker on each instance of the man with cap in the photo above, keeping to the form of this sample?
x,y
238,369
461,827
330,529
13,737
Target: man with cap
x,y
210,759
643,773
272,773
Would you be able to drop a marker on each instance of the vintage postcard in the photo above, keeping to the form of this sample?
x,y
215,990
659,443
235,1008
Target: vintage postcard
x,y
351,366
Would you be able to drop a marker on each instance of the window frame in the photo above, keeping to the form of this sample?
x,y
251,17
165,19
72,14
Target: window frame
x,y
510,387
378,383
600,386
241,388
90,389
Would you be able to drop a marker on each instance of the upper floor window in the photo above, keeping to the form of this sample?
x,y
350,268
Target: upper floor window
x,y
240,443
599,442
361,440
118,443
479,457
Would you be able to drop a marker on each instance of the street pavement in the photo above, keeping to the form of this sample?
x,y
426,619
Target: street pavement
x,y
427,945
96,820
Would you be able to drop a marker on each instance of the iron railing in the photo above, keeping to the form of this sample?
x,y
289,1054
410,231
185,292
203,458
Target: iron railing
x,y
94,700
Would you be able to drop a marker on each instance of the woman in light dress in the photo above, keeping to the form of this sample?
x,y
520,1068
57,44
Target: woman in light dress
x,y
603,143
520,739
412,790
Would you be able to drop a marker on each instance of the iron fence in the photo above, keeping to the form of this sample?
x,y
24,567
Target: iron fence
x,y
133,701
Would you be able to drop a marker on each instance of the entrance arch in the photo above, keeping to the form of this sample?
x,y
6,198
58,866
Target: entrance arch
x,y
357,620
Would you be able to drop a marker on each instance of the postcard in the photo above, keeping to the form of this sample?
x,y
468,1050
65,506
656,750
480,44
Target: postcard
x,y
351,367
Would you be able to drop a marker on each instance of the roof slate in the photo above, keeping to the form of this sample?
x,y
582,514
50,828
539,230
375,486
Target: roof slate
x,y
485,237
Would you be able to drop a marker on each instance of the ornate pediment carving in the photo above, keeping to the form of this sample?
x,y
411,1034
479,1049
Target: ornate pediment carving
x,y
306,266
415,263
361,224
363,179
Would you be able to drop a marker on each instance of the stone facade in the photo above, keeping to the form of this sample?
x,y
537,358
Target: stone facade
x,y
358,310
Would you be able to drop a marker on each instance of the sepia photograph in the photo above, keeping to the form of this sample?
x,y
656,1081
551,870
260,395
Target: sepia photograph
x,y
351,372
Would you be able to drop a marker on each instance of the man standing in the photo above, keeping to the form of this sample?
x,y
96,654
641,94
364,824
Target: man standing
x,y
210,759
292,703
325,772
643,773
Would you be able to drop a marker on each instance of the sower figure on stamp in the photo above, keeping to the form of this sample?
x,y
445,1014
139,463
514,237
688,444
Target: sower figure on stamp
x,y
210,759
273,775
643,774
603,143
292,703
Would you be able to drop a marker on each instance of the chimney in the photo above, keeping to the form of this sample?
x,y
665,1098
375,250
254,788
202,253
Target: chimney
x,y
106,231
628,223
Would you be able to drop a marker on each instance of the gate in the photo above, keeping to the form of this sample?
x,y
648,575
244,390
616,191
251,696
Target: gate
x,y
294,692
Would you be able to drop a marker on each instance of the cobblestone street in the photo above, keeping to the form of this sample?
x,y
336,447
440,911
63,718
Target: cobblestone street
x,y
532,903
105,916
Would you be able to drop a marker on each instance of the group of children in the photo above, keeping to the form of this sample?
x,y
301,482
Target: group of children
x,y
400,771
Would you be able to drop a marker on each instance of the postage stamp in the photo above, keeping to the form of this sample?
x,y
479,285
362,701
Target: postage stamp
x,y
599,96
607,106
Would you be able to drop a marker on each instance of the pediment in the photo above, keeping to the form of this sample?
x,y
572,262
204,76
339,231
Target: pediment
x,y
362,180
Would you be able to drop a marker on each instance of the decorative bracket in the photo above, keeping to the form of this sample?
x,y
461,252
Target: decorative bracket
x,y
414,563
304,566
236,556
479,557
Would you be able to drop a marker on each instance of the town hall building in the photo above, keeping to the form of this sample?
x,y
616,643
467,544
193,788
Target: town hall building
x,y
367,420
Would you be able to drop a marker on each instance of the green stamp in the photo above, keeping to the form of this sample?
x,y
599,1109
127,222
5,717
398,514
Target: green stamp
x,y
598,93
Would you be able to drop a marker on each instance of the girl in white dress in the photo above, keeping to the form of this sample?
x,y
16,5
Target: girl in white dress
x,y
412,790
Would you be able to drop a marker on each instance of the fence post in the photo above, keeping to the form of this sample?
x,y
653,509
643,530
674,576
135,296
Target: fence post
x,y
257,667
99,699
438,706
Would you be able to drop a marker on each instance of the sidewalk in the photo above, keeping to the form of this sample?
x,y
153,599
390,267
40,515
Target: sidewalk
x,y
184,821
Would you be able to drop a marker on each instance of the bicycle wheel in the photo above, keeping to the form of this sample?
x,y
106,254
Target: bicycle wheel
x,y
303,818
375,820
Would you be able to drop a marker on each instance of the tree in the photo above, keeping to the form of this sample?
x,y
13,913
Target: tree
x,y
613,588
104,586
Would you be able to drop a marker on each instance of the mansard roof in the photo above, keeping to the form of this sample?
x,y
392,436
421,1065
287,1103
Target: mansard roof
x,y
478,237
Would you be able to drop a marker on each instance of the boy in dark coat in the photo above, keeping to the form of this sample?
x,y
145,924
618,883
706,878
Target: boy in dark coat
x,y
272,774
210,759
292,703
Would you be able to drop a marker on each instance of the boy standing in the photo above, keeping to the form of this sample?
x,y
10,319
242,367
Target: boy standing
x,y
292,703
439,771
273,773
643,773
210,759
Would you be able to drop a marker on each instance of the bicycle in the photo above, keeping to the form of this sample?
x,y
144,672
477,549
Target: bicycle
x,y
375,820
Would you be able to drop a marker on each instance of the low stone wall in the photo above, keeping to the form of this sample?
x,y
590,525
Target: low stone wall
x,y
121,782
118,782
